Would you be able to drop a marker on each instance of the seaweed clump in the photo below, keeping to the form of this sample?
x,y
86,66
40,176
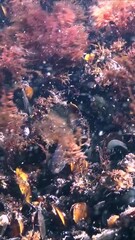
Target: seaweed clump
x,y
120,13
43,37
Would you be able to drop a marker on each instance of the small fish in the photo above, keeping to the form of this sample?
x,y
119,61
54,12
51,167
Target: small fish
x,y
57,163
26,103
29,91
89,57
3,16
3,11
41,223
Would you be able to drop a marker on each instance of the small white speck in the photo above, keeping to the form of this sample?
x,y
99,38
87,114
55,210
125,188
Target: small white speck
x,y
101,133
26,131
48,74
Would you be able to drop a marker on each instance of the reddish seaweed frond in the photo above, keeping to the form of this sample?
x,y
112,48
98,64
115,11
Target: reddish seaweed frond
x,y
119,70
121,13
59,34
12,58
36,36
117,180
11,123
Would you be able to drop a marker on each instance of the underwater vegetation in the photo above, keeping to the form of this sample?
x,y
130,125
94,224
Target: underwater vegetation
x,y
117,12
42,37
67,119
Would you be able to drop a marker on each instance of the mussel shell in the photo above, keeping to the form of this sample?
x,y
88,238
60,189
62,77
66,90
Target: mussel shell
x,y
117,150
115,143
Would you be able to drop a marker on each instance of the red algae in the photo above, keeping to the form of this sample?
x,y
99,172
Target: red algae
x,y
121,13
13,59
59,34
36,36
